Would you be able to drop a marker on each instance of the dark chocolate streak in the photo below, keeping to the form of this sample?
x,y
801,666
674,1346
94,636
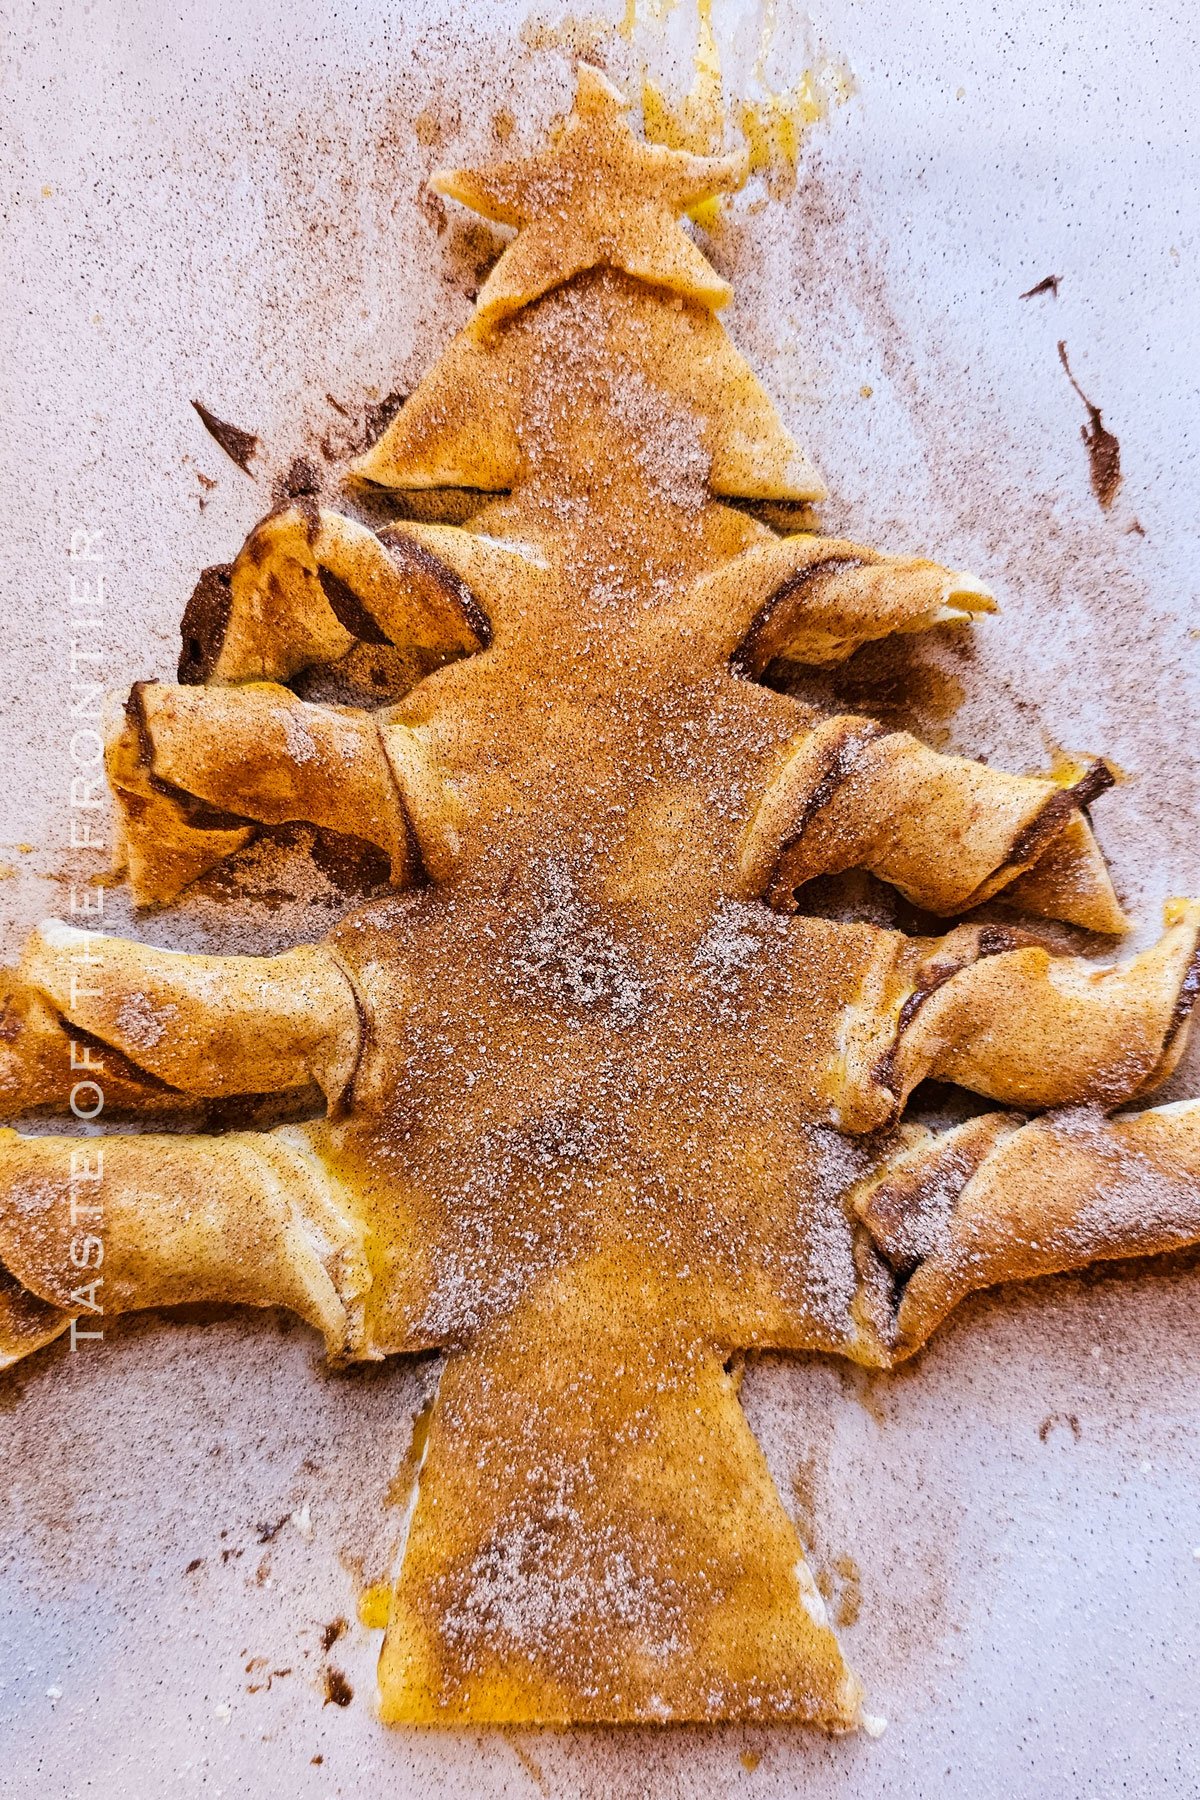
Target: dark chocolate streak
x,y
404,550
1104,452
204,624
993,940
349,610
843,760
1032,838
1185,1000
340,1104
744,660
119,1066
898,1206
237,444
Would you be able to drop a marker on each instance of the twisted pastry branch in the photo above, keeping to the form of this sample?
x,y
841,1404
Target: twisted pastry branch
x,y
310,584
814,599
195,772
947,832
1001,1200
1036,1030
994,1011
150,1025
117,1224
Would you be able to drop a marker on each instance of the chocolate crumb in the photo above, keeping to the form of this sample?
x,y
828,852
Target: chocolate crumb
x,y
267,1532
1047,285
338,1691
301,481
1104,452
197,1562
237,444
379,415
204,624
1052,1419
333,1631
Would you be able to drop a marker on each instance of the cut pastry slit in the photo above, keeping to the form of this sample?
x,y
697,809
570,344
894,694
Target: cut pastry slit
x,y
309,584
948,833
196,771
249,1218
1001,1200
1000,1015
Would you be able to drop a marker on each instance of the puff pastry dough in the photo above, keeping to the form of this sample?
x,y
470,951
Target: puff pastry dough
x,y
594,1099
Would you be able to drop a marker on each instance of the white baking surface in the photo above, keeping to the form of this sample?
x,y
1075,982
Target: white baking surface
x,y
220,202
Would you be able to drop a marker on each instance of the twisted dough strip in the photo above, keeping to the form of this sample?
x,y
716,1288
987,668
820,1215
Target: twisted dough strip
x,y
150,1025
815,600
1007,1019
38,1068
947,832
988,1009
194,772
1000,1200
309,584
118,1224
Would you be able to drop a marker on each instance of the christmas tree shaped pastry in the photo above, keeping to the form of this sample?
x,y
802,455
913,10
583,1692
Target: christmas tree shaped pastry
x,y
582,1095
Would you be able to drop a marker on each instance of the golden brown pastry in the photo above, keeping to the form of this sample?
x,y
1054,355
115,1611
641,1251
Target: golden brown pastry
x,y
595,1102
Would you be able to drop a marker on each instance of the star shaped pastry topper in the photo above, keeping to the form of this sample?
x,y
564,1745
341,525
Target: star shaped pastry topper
x,y
597,195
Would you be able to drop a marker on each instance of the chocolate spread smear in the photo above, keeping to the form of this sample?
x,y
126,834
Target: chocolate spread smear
x,y
1047,285
238,444
1104,452
204,624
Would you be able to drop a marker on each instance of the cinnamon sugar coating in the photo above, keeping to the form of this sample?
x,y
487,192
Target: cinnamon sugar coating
x,y
595,1098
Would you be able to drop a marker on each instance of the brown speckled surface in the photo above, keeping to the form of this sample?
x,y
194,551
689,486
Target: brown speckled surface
x,y
227,209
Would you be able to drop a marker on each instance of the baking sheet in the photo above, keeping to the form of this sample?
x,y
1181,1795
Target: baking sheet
x,y
225,206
